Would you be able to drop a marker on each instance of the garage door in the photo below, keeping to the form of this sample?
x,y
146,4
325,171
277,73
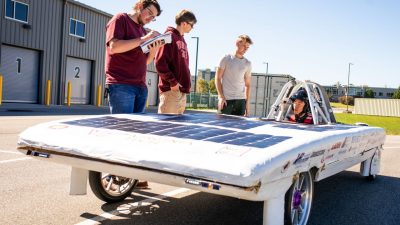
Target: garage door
x,y
79,74
20,70
152,86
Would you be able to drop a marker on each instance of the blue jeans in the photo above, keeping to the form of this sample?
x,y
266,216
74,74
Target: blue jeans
x,y
125,98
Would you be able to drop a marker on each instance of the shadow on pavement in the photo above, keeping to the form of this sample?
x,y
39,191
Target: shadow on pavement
x,y
345,199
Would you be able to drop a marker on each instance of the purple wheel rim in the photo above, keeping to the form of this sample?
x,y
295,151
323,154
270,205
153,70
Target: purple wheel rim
x,y
296,199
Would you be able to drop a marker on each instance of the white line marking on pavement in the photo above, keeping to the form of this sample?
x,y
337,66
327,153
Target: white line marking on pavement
x,y
127,208
14,160
11,152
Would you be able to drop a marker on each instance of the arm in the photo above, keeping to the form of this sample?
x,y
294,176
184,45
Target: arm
x,y
218,85
163,59
120,46
247,84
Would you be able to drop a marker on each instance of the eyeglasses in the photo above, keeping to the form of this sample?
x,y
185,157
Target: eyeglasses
x,y
151,14
191,24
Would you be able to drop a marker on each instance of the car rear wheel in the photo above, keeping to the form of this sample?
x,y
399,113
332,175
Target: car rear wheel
x,y
111,188
298,200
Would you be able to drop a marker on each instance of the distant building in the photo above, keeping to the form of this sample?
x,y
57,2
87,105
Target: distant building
x,y
58,40
336,91
206,74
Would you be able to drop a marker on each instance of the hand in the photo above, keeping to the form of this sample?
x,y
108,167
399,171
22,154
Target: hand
x,y
151,35
176,87
154,47
247,113
221,103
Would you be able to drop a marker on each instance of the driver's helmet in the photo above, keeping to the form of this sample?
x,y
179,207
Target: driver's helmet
x,y
300,94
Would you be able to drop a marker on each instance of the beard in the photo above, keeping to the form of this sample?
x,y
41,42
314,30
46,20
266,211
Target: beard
x,y
140,20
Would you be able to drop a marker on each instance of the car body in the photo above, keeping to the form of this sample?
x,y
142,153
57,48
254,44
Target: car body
x,y
259,159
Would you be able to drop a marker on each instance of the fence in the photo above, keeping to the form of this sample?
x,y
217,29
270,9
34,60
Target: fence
x,y
199,100
379,107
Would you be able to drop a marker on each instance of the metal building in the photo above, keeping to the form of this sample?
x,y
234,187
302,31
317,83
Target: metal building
x,y
58,40
264,90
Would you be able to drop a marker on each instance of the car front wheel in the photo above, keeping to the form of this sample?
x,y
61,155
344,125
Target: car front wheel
x,y
298,199
111,188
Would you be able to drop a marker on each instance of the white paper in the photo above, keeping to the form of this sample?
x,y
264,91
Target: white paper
x,y
164,38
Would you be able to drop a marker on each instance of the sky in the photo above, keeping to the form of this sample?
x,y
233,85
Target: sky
x,y
307,39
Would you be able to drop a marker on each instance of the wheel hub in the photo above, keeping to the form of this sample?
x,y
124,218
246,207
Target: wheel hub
x,y
297,199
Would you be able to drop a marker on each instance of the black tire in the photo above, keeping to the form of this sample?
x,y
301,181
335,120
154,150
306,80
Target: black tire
x,y
101,186
371,177
299,196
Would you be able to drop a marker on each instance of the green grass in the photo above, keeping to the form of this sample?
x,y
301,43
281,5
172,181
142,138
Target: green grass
x,y
340,105
390,124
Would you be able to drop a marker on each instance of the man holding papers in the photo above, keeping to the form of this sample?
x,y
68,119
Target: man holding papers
x,y
126,63
172,64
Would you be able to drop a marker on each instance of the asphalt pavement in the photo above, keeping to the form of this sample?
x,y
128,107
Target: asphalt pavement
x,y
24,109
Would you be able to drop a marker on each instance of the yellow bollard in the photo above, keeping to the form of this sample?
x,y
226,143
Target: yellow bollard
x,y
98,95
48,88
1,89
69,89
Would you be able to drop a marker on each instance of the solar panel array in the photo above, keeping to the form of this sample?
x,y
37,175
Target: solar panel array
x,y
215,120
166,126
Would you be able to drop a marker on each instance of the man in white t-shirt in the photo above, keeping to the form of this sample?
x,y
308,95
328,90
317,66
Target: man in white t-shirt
x,y
233,80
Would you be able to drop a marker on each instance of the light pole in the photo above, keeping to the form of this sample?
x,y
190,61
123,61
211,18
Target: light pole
x,y
197,55
348,88
266,73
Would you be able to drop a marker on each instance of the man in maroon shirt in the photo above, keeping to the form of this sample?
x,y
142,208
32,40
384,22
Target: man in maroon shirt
x,y
172,64
125,63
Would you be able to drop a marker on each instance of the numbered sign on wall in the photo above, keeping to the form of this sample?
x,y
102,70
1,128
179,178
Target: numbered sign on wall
x,y
78,73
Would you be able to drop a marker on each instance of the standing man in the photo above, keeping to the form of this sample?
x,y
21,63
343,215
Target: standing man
x,y
172,64
233,79
125,63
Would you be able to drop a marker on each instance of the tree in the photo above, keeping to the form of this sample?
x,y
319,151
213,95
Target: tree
x,y
212,87
369,93
349,100
202,86
396,94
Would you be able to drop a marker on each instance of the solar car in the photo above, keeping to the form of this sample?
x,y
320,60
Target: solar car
x,y
260,159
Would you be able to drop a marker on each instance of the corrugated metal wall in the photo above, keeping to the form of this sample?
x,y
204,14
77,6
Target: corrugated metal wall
x,y
379,107
93,48
264,91
44,35
49,34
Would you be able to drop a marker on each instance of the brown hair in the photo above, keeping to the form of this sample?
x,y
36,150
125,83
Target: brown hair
x,y
185,16
147,3
245,38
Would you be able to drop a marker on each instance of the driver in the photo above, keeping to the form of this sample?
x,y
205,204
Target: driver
x,y
300,108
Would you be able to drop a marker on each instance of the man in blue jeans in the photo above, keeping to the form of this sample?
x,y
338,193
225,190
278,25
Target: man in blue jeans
x,y
125,62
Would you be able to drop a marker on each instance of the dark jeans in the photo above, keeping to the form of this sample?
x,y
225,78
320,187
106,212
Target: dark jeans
x,y
235,107
125,98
